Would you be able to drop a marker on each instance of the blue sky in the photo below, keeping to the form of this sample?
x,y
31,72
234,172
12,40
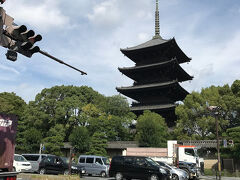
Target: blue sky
x,y
88,34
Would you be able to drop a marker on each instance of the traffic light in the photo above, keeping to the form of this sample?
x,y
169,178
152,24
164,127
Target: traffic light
x,y
17,38
20,40
2,1
23,40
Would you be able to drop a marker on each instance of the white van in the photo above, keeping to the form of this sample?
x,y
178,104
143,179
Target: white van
x,y
34,159
97,165
20,164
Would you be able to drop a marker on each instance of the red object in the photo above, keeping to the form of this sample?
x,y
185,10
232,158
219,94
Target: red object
x,y
11,178
8,129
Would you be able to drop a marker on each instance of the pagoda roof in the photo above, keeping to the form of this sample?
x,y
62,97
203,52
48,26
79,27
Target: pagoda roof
x,y
136,92
150,43
137,72
156,44
165,110
144,86
153,107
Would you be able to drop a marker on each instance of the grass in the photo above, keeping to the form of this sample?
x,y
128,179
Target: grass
x,y
210,172
26,176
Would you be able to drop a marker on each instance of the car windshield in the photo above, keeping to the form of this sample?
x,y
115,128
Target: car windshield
x,y
167,166
65,160
19,158
196,152
152,162
106,161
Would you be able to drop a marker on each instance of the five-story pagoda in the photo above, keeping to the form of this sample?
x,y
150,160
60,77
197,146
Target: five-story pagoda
x,y
156,74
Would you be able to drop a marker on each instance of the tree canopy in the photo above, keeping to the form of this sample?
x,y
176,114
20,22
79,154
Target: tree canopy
x,y
196,121
64,113
152,130
89,119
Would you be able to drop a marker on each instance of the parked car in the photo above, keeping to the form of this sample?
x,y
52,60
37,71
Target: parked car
x,y
34,159
55,165
97,165
131,167
177,174
20,164
190,168
75,168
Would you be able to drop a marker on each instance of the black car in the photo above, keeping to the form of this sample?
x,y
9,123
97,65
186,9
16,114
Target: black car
x,y
131,167
56,165
75,168
190,168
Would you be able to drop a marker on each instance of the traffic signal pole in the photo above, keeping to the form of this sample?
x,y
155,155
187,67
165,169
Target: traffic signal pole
x,y
218,147
50,56
60,61
18,39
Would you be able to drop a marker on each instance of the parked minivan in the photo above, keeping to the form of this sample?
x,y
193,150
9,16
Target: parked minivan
x,y
34,159
97,165
136,167
20,164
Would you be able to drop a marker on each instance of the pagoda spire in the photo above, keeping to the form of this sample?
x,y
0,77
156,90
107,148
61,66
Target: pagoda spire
x,y
157,26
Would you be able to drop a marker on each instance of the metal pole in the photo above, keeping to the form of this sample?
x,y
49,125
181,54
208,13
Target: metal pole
x,y
48,55
70,162
40,149
60,61
218,149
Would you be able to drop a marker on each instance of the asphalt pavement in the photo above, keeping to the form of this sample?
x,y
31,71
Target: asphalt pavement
x,y
200,178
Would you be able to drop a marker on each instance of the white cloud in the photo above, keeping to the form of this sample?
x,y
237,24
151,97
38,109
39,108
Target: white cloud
x,y
105,14
24,90
8,69
105,26
43,15
143,37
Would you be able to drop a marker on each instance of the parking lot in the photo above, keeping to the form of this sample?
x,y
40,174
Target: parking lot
x,y
201,178
27,177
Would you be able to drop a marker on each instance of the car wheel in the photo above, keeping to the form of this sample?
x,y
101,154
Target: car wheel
x,y
118,176
154,177
187,171
103,174
66,172
42,171
175,177
14,169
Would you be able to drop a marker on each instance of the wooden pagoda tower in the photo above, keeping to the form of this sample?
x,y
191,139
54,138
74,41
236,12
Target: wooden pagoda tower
x,y
156,75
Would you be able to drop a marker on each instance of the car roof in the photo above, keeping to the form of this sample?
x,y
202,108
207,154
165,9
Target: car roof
x,y
131,156
17,155
91,156
36,154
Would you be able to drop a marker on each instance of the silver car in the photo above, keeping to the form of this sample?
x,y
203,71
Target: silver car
x,y
177,174
97,165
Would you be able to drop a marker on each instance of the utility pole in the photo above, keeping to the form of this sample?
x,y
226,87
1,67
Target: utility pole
x,y
215,110
218,148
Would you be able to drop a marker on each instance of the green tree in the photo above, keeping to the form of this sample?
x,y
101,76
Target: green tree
x,y
31,141
59,105
152,130
116,105
98,144
195,121
10,103
114,127
232,151
80,139
54,140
